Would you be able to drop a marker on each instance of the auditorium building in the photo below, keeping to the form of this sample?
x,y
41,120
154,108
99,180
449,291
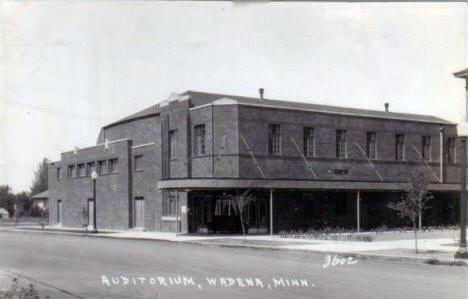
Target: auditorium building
x,y
175,166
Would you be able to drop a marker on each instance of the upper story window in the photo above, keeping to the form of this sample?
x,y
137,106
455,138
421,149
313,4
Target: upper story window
x,y
71,171
451,150
274,139
59,173
90,167
172,144
81,170
426,148
341,144
199,140
309,142
102,167
399,147
113,165
371,148
138,163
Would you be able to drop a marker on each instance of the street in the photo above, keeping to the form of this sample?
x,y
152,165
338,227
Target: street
x,y
89,267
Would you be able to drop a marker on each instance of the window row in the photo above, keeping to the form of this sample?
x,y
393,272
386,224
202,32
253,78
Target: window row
x,y
341,144
308,150
199,142
85,169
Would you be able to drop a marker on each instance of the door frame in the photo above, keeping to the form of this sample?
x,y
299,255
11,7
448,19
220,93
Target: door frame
x,y
90,216
59,212
142,199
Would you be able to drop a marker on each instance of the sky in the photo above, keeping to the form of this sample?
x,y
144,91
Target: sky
x,y
68,68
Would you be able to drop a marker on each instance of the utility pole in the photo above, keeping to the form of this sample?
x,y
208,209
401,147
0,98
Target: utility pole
x,y
462,252
94,176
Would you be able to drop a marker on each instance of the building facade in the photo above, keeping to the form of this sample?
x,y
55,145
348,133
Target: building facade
x,y
175,166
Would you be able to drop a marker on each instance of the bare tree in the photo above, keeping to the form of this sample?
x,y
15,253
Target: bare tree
x,y
239,202
413,202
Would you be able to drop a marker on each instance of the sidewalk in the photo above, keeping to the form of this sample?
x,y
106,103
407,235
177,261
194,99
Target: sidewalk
x,y
434,247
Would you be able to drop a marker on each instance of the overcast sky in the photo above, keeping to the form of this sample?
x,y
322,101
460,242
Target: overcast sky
x,y
68,68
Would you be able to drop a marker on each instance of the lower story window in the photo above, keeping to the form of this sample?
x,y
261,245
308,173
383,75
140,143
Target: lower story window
x,y
169,203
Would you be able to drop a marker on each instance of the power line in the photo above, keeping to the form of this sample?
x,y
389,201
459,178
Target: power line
x,y
47,110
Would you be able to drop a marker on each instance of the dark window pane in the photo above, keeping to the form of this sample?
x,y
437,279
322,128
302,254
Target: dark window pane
x,y
139,163
426,148
399,147
172,144
309,142
371,145
113,165
274,139
341,144
199,140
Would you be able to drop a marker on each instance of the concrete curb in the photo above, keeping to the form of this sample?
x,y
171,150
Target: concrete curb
x,y
357,255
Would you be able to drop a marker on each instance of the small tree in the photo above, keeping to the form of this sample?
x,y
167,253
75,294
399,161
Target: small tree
x,y
239,202
7,199
40,181
413,202
23,204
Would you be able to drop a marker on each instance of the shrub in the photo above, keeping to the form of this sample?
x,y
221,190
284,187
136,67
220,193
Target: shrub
x,y
16,291
327,233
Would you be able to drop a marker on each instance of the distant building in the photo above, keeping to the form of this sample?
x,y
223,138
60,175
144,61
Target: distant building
x,y
4,214
41,200
173,166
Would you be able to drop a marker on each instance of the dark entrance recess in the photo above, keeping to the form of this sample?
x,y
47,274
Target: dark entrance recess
x,y
212,212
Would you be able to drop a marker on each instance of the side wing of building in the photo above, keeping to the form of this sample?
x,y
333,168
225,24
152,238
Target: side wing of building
x,y
127,161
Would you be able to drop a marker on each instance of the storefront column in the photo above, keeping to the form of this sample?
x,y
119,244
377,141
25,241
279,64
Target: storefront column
x,y
271,212
358,211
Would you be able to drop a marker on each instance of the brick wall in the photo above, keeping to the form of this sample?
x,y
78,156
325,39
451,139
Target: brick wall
x,y
145,183
141,131
253,127
112,190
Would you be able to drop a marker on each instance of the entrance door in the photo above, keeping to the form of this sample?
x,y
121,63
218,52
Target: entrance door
x,y
139,212
90,214
199,213
59,212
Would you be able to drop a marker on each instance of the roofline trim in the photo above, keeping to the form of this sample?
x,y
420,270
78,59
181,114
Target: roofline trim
x,y
463,74
119,122
99,144
285,184
330,112
142,145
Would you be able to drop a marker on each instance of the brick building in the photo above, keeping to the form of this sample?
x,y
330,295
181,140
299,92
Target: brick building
x,y
173,167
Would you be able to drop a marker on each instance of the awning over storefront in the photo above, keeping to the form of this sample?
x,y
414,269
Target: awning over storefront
x,y
194,184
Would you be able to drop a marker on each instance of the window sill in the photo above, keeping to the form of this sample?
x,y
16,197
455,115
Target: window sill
x,y
169,218
201,156
99,175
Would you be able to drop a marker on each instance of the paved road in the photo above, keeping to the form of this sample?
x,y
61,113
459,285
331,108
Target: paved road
x,y
77,264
